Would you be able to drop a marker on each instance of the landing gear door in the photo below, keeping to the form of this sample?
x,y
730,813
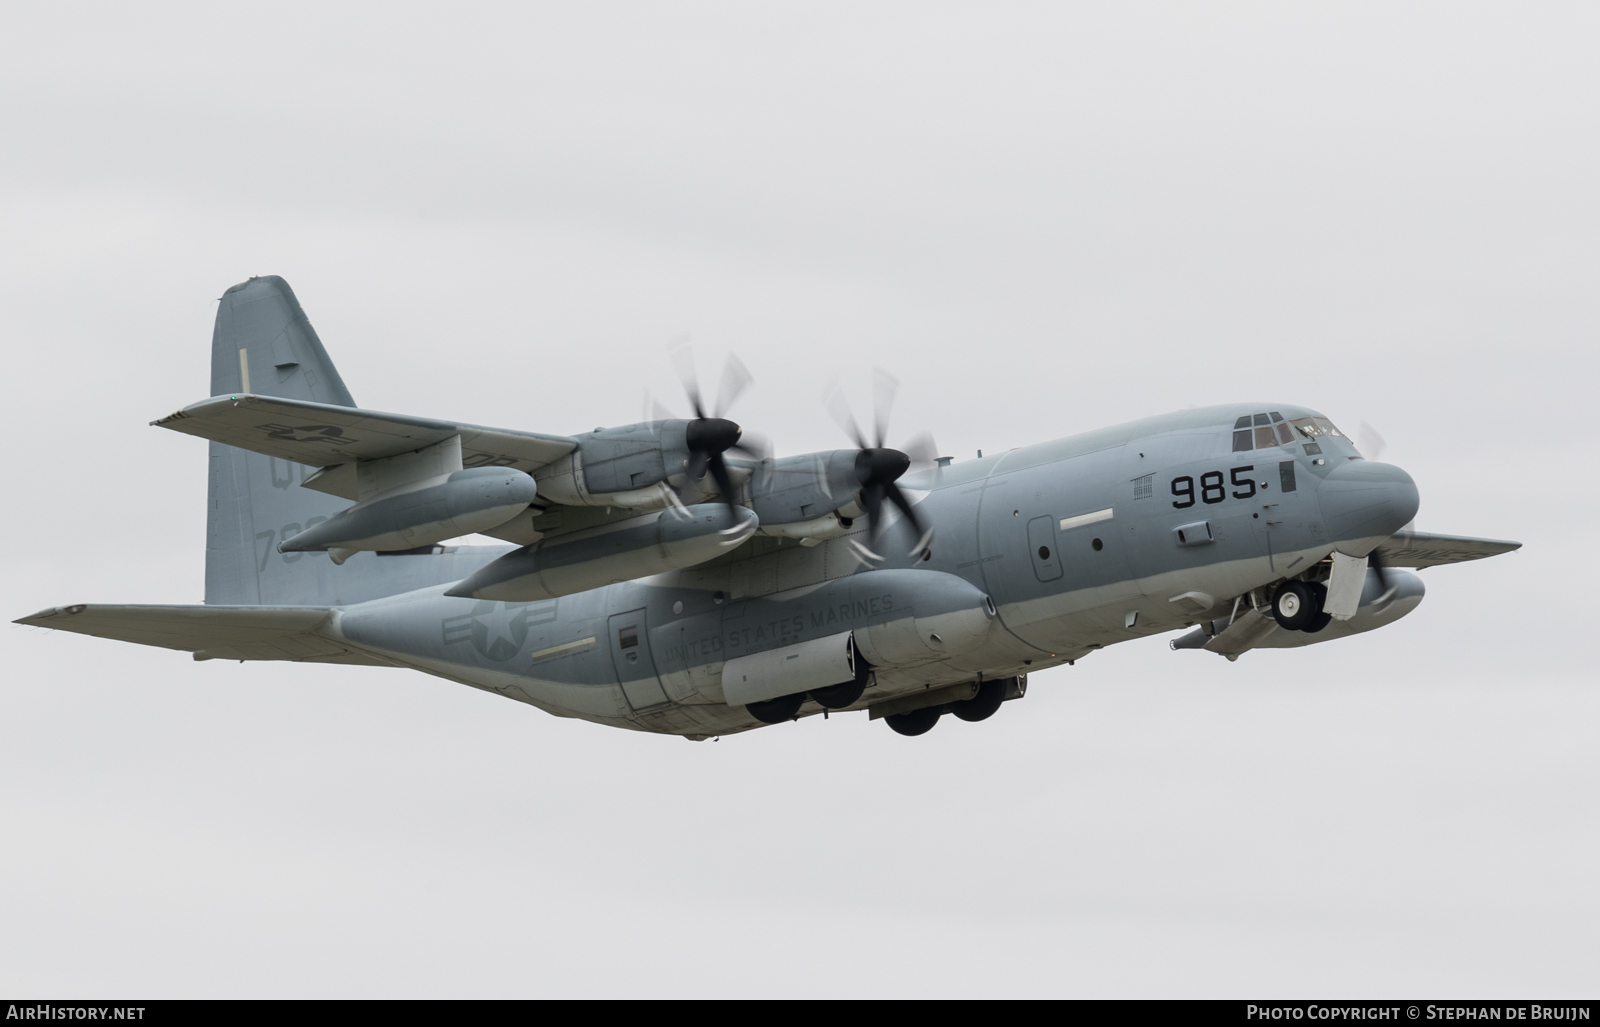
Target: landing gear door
x,y
630,654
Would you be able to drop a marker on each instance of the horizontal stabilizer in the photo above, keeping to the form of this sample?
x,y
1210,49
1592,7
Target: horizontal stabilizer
x,y
1422,549
322,435
212,632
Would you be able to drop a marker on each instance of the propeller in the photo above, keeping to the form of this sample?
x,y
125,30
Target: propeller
x,y
877,466
1369,443
709,436
1386,585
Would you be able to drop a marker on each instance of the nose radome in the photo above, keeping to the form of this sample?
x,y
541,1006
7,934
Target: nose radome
x,y
1365,502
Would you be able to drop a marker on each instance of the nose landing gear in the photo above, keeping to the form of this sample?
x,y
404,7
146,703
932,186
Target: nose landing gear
x,y
1297,606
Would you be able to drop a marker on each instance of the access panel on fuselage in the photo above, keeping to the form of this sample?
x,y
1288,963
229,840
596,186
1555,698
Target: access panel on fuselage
x,y
630,655
1074,495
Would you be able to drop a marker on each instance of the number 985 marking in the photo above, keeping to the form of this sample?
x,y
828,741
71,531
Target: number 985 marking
x,y
1212,490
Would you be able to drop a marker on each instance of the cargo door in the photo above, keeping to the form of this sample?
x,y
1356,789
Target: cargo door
x,y
630,654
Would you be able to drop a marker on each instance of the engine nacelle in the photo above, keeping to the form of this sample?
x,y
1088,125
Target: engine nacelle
x,y
653,543
797,496
625,467
424,512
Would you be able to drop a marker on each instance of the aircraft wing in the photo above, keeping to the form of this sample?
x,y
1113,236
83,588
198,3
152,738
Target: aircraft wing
x,y
323,435
212,632
1422,549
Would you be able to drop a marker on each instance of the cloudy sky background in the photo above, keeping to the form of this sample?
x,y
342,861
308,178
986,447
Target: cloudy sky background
x,y
1043,219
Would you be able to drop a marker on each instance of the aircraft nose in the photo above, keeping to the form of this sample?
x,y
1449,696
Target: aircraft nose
x,y
1364,500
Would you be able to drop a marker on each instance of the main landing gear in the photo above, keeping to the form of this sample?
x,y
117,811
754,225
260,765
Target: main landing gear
x,y
833,697
981,706
1297,606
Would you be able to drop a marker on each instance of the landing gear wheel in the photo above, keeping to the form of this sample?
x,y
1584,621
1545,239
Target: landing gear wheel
x,y
776,711
1319,622
837,697
1293,606
917,722
981,706
1319,596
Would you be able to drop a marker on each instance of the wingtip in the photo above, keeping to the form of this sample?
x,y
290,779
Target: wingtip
x,y
38,619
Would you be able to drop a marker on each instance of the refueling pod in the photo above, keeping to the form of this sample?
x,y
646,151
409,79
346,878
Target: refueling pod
x,y
421,512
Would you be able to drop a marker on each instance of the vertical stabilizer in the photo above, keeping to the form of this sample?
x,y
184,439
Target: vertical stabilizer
x,y
263,344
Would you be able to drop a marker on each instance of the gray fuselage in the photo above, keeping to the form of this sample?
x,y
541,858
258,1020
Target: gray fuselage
x,y
1075,542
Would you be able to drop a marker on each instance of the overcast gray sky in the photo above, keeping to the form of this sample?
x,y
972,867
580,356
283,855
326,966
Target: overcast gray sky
x,y
1043,219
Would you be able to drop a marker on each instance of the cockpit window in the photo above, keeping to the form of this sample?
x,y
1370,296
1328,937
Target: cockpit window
x,y
1270,430
1315,427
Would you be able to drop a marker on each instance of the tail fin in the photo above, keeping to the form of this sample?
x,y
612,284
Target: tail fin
x,y
264,345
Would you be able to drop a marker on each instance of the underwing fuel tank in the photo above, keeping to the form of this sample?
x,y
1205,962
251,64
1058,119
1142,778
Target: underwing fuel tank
x,y
460,503
666,540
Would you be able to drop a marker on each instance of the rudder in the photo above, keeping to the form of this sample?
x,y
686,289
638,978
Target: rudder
x,y
263,344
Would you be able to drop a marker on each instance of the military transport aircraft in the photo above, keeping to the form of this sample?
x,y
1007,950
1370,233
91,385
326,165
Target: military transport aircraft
x,y
671,576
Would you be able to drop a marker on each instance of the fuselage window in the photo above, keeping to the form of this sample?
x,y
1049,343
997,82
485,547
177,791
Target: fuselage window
x,y
1266,438
1241,441
628,637
1284,435
1262,419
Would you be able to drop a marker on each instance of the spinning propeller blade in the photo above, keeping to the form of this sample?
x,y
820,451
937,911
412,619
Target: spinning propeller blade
x,y
878,467
709,437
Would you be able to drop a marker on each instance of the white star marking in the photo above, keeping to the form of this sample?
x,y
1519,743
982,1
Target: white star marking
x,y
498,623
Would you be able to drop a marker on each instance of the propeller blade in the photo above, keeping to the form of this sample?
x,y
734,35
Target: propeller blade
x,y
719,474
898,498
699,460
922,450
655,411
839,407
884,387
683,360
1385,585
756,447
1369,442
735,379
872,499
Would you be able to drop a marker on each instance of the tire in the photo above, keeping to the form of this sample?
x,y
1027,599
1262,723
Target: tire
x,y
1317,623
983,705
1319,596
776,711
917,722
1293,605
837,697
